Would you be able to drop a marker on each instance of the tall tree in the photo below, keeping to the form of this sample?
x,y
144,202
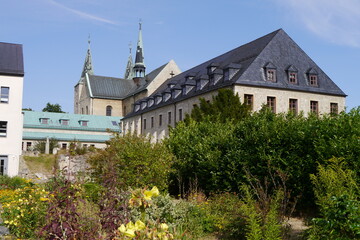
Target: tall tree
x,y
224,107
52,108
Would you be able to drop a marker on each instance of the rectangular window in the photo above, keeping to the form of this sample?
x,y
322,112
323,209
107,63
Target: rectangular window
x,y
160,119
271,75
334,108
169,117
293,78
64,146
84,123
293,105
144,123
3,128
249,100
64,122
124,110
152,122
314,107
180,115
271,103
28,146
44,120
313,80
4,94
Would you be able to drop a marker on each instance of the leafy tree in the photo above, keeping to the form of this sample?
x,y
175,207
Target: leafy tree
x,y
52,108
216,154
135,160
225,106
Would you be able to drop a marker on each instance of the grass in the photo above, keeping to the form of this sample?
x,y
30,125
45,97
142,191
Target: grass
x,y
43,163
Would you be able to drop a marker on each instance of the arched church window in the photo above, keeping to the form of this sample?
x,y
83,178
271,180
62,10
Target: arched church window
x,y
108,110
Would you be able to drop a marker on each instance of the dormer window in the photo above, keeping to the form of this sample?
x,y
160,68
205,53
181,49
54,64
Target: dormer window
x,y
293,77
270,72
64,122
292,74
271,75
313,80
176,93
83,123
201,83
44,120
166,96
312,77
211,68
150,102
158,99
143,105
137,107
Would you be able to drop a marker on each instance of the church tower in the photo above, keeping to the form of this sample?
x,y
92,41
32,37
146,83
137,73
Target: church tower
x,y
129,73
80,86
139,67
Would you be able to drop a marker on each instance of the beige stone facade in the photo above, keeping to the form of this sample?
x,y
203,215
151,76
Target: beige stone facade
x,y
155,123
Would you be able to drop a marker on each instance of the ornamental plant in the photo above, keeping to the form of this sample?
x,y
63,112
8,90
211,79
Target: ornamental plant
x,y
24,212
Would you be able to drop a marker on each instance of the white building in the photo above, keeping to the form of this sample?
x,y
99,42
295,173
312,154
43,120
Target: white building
x,y
11,120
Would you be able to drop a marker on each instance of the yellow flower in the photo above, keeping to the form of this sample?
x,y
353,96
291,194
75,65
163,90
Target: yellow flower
x,y
148,195
43,199
139,225
130,225
164,226
155,191
130,233
122,228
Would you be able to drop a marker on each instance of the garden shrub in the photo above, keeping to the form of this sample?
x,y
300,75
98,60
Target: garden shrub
x,y
7,182
24,212
136,160
337,194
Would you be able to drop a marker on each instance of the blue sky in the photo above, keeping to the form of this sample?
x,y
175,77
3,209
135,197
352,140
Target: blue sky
x,y
54,34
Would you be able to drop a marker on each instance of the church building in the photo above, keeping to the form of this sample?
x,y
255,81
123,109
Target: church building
x,y
271,70
113,96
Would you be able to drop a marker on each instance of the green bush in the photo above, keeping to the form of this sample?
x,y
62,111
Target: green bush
x,y
215,154
337,194
7,182
134,160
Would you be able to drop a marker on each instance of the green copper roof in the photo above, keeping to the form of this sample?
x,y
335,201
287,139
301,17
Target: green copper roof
x,y
67,121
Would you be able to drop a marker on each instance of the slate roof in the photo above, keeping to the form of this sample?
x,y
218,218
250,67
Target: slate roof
x,y
119,88
276,50
11,59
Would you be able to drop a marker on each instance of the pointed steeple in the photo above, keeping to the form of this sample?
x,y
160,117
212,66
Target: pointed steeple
x,y
88,68
139,68
129,74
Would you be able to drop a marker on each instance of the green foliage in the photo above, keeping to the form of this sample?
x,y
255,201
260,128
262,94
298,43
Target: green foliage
x,y
24,212
225,214
225,106
52,108
136,160
337,194
262,224
13,183
200,149
216,154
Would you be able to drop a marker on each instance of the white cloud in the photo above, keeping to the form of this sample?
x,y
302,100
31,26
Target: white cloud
x,y
337,21
82,14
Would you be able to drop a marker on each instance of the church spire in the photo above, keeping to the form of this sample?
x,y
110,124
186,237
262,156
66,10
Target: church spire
x,y
88,68
129,66
139,68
